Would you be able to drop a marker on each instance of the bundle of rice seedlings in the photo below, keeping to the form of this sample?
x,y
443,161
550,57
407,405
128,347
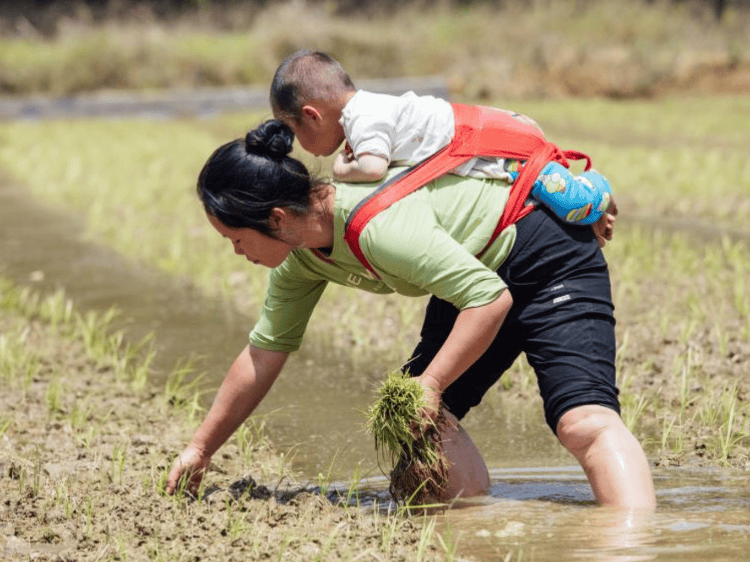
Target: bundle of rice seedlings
x,y
420,469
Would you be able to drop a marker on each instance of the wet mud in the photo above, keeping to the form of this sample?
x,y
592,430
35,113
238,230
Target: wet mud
x,y
81,478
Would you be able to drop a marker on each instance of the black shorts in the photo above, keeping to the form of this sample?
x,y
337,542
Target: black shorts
x,y
562,319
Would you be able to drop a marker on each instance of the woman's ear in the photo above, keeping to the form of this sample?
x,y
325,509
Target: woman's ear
x,y
278,219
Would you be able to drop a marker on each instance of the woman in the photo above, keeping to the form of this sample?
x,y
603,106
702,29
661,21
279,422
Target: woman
x,y
542,288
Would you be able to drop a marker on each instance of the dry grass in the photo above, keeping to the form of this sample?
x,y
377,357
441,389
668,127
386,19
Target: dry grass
x,y
539,49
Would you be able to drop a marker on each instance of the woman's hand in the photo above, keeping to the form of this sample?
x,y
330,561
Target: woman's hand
x,y
247,382
430,411
189,469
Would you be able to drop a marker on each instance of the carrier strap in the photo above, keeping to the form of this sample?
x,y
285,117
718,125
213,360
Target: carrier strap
x,y
480,131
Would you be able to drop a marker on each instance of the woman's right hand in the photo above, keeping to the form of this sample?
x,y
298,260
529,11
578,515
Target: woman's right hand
x,y
246,383
189,468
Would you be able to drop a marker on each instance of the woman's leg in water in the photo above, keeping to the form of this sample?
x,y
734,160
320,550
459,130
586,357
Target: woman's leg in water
x,y
610,455
467,472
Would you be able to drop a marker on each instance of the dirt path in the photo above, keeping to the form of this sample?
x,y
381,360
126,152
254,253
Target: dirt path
x,y
182,102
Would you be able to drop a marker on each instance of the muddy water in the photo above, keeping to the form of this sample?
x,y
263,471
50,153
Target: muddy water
x,y
547,514
539,512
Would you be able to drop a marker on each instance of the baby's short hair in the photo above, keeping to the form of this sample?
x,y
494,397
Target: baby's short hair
x,y
307,75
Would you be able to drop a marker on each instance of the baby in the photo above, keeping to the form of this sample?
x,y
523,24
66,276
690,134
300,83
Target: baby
x,y
317,99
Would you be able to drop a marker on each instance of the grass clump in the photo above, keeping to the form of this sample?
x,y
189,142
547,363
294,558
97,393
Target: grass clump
x,y
420,469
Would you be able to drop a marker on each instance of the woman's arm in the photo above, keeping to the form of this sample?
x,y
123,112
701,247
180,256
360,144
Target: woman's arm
x,y
472,334
246,384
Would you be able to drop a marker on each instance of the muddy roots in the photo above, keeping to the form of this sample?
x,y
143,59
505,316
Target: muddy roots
x,y
420,474
420,470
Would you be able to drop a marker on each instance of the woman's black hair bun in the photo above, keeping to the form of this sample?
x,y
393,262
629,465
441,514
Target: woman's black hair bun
x,y
272,139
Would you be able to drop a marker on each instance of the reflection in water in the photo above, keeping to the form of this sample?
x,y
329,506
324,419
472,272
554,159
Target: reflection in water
x,y
548,515
532,530
567,485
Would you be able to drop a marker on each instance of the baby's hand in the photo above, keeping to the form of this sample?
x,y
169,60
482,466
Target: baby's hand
x,y
604,227
342,164
364,168
342,160
347,153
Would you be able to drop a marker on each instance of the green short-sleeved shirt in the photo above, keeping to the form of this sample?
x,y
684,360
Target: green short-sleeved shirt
x,y
422,244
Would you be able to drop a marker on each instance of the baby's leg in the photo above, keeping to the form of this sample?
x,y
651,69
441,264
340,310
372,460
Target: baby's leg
x,y
576,199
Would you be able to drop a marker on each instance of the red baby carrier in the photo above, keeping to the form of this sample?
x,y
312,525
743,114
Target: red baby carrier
x,y
480,131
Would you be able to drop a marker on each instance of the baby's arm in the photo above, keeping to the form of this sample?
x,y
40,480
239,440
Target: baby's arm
x,y
365,168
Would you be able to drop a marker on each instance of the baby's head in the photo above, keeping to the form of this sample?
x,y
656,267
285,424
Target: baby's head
x,y
307,76
308,92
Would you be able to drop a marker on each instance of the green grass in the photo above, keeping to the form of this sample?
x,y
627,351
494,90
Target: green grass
x,y
21,361
681,158
677,296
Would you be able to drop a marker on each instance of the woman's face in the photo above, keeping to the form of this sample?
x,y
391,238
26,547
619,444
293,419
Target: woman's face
x,y
256,247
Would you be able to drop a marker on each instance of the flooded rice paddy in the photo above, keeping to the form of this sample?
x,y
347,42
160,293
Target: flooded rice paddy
x,y
540,505
542,514
545,514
